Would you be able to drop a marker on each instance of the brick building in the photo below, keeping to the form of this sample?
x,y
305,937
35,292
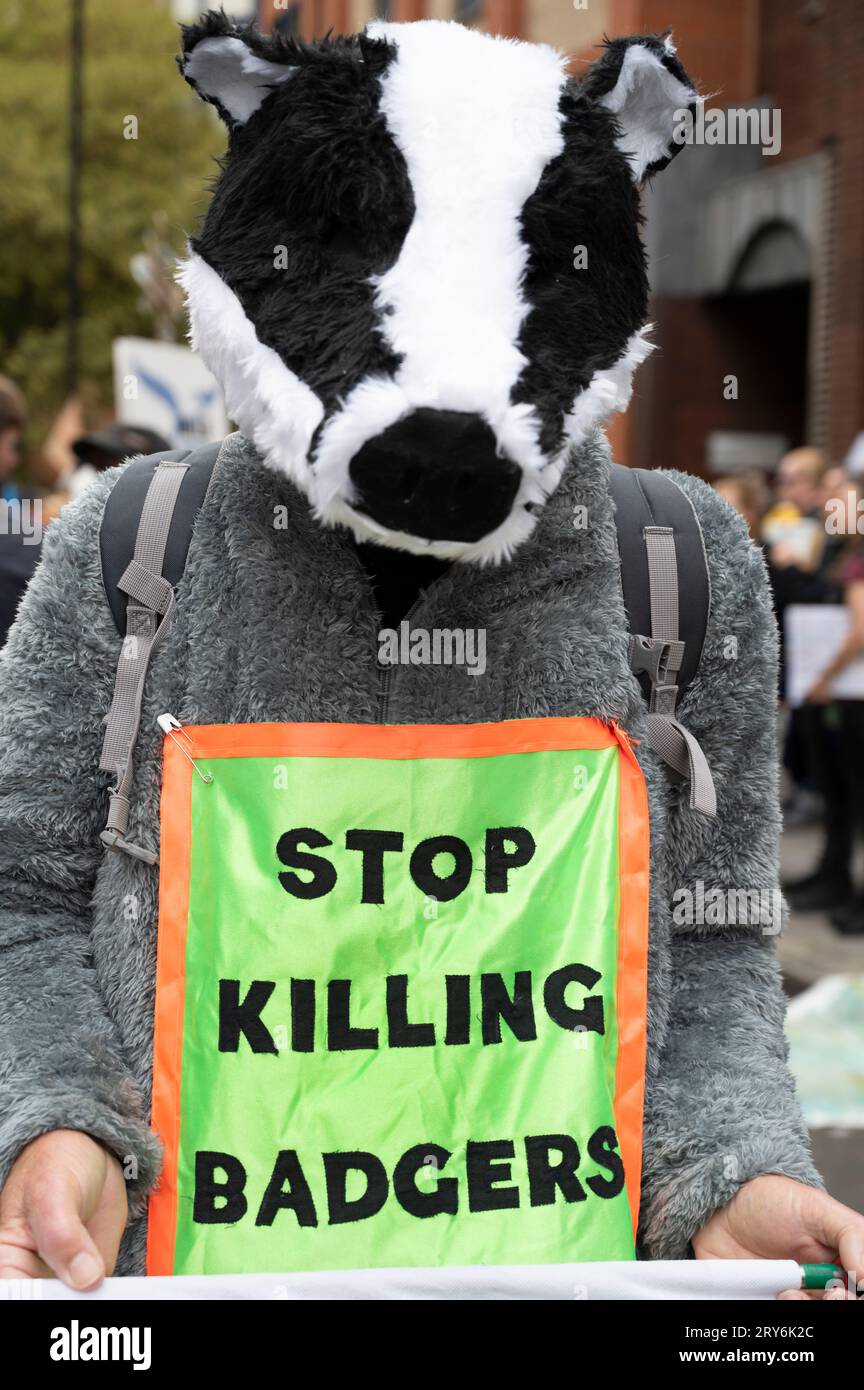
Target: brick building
x,y
757,260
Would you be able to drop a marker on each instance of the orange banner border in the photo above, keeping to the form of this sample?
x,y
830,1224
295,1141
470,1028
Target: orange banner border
x,y
388,741
397,740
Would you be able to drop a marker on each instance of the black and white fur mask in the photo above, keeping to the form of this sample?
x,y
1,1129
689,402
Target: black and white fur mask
x,y
384,283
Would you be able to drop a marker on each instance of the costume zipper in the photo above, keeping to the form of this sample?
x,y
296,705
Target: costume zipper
x,y
385,673
383,698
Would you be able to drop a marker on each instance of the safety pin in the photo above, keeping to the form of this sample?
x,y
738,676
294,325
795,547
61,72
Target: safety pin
x,y
172,727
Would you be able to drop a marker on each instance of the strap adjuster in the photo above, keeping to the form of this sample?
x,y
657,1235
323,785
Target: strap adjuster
x,y
149,590
664,698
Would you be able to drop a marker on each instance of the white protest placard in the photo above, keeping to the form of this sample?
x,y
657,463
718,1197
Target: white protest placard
x,y
815,632
166,387
627,1281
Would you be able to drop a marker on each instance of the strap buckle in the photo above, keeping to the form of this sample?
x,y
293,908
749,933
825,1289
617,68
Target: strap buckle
x,y
656,656
660,659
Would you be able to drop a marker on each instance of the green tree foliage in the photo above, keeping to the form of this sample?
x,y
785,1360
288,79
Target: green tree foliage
x,y
129,72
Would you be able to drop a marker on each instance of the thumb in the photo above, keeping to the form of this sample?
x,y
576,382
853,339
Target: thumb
x,y
841,1229
61,1238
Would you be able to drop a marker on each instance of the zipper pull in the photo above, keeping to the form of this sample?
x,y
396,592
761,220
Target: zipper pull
x,y
173,729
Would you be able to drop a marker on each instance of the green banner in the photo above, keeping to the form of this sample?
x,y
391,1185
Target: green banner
x,y
399,1020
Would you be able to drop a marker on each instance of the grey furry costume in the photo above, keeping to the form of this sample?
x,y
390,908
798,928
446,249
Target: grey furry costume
x,y
278,625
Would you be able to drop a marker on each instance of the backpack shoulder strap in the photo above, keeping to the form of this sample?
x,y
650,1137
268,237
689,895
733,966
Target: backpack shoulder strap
x,y
667,595
144,541
644,498
124,508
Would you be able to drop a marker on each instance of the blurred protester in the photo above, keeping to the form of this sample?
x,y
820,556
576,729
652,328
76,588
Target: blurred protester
x,y
748,493
56,459
845,809
103,449
835,483
802,569
19,538
799,479
793,526
72,461
13,414
68,462
19,553
854,461
71,458
801,553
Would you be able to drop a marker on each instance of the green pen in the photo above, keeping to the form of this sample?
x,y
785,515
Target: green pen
x,y
820,1276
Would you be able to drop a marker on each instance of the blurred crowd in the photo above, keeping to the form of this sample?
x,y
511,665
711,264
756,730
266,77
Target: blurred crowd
x,y
809,521
68,460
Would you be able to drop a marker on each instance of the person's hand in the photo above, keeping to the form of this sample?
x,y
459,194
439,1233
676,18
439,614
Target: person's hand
x,y
56,459
776,1218
820,693
784,556
63,1211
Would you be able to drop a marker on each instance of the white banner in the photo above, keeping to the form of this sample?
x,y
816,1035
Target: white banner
x,y
639,1281
167,388
815,632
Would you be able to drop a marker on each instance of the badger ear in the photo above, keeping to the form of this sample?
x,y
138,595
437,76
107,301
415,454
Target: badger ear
x,y
641,82
225,70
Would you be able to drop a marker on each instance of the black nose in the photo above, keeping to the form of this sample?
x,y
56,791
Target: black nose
x,y
435,474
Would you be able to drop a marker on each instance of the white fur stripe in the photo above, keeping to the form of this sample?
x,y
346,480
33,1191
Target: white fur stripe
x,y
477,120
608,390
274,409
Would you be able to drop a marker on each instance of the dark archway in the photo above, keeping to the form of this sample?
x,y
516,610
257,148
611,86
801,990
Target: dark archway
x,y
765,317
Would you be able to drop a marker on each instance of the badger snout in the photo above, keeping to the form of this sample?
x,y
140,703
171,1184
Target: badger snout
x,y
435,474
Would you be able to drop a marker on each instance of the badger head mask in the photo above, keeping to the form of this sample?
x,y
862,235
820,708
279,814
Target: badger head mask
x,y
420,281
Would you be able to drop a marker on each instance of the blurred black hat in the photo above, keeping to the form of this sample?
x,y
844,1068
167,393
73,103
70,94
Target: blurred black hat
x,y
105,448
